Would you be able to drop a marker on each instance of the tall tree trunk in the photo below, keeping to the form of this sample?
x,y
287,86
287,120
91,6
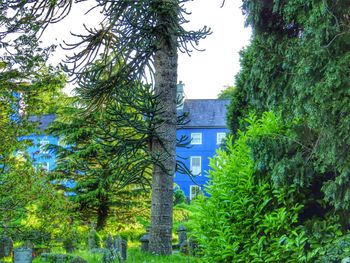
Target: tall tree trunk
x,y
162,180
102,214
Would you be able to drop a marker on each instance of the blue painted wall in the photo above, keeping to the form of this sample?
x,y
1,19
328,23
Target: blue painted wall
x,y
40,157
206,150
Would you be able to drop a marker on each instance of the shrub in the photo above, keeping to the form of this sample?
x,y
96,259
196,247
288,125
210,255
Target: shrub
x,y
179,197
247,219
335,251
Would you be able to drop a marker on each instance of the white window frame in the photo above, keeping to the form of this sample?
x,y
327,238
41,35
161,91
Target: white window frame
x,y
193,194
220,137
199,138
200,165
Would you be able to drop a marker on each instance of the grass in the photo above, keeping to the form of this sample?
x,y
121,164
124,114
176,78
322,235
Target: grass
x,y
135,256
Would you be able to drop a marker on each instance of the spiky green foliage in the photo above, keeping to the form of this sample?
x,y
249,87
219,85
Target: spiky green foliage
x,y
298,63
97,153
144,37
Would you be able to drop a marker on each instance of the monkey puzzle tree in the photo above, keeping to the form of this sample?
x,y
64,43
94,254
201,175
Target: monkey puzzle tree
x,y
107,172
144,37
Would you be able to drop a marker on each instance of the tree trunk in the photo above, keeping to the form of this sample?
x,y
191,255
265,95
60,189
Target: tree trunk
x,y
162,180
102,214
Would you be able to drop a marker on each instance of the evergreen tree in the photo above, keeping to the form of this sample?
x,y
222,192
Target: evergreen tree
x,y
298,63
146,35
93,154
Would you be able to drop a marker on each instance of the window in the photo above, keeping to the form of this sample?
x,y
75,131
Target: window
x,y
196,138
43,143
196,165
194,191
42,166
220,137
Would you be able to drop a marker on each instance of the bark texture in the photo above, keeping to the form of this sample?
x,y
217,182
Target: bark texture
x,y
102,215
162,180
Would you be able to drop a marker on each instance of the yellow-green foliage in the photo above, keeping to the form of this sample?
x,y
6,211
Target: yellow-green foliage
x,y
246,219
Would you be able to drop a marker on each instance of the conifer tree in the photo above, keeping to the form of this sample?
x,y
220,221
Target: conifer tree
x,y
94,156
145,37
297,63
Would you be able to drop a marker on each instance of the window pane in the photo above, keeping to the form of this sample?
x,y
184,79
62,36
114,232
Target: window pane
x,y
194,191
196,165
196,138
220,137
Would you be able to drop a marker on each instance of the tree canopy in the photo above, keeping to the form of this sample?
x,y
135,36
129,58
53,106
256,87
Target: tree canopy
x,y
297,64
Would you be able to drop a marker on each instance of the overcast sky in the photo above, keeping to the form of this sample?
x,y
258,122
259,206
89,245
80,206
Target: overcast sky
x,y
204,73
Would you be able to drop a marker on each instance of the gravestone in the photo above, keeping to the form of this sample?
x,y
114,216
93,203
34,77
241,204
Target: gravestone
x,y
93,239
110,244
23,255
145,242
123,249
182,234
6,246
116,243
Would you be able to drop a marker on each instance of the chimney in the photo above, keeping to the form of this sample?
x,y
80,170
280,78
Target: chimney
x,y
180,95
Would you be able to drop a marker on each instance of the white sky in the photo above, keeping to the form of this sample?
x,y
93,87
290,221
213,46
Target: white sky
x,y
204,73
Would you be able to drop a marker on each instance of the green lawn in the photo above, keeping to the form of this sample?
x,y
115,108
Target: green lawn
x,y
136,256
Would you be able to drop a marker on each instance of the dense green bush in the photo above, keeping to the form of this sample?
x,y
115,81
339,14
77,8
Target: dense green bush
x,y
179,197
247,219
335,251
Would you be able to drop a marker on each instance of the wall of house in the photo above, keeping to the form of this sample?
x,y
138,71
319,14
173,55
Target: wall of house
x,y
42,159
205,150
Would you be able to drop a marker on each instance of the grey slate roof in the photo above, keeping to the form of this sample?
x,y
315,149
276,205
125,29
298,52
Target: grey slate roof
x,y
209,113
205,113
43,121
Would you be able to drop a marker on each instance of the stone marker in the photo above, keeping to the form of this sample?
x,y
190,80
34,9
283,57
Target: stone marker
x,y
93,239
6,246
23,255
144,242
116,242
110,244
123,249
182,234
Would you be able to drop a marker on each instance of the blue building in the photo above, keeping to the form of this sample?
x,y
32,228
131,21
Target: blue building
x,y
206,127
42,159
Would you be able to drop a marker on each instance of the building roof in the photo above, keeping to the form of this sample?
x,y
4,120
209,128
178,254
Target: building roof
x,y
205,113
209,113
43,121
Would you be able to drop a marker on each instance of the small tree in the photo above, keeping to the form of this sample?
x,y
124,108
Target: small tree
x,y
24,192
94,155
